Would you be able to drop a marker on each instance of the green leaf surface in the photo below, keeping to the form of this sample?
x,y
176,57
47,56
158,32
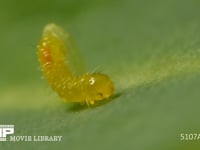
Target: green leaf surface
x,y
151,50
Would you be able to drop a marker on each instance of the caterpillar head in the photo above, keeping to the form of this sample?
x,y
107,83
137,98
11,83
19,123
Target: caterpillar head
x,y
97,87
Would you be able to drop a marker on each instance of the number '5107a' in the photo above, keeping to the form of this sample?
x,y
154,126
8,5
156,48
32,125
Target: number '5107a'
x,y
189,136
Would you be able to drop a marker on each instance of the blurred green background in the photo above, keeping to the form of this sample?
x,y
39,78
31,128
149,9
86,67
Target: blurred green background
x,y
151,50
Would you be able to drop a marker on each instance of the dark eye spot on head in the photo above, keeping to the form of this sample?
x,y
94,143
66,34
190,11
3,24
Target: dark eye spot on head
x,y
100,94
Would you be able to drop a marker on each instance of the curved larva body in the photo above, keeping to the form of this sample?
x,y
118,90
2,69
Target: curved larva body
x,y
54,58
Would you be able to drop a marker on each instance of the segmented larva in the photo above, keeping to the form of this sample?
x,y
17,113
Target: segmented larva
x,y
56,60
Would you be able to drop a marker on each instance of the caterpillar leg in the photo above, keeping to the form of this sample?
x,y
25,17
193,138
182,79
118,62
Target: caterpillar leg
x,y
89,102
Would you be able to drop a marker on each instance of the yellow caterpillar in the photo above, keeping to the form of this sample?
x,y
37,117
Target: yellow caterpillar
x,y
57,55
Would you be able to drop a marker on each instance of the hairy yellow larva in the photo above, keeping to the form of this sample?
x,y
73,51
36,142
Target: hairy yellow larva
x,y
62,67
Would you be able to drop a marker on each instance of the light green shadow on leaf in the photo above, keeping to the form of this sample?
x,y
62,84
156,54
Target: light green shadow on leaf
x,y
156,70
